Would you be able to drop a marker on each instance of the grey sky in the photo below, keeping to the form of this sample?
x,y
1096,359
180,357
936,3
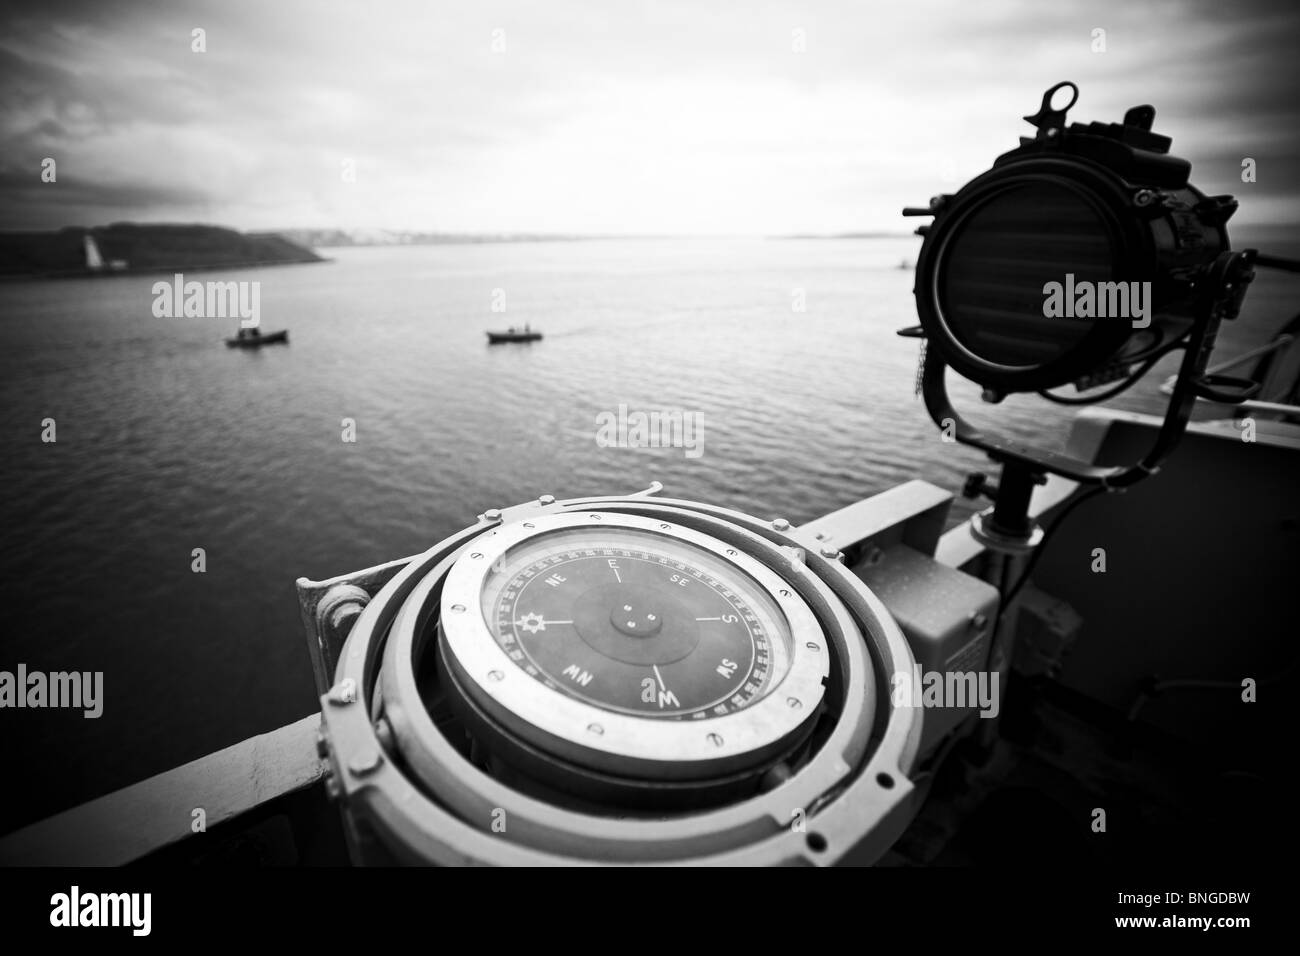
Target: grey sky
x,y
673,116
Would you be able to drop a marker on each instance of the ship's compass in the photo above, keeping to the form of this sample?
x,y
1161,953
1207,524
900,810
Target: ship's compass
x,y
628,679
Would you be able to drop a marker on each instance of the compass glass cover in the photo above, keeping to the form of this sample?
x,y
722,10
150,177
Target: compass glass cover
x,y
637,623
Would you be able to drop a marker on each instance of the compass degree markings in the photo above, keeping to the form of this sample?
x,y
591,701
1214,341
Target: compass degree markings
x,y
546,568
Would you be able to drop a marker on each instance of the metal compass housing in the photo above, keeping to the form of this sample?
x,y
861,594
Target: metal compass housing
x,y
622,679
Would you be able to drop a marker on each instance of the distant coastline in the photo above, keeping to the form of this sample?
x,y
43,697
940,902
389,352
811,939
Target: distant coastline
x,y
150,248
142,248
849,235
340,238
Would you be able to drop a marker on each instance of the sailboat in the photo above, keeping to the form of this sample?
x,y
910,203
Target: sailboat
x,y
95,261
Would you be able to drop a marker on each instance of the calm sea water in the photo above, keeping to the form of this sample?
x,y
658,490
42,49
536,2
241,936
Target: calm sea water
x,y
167,441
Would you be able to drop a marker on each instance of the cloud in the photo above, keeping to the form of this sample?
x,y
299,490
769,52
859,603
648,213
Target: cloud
x,y
664,116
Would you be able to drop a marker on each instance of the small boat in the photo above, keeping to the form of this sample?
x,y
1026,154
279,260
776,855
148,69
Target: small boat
x,y
255,338
513,335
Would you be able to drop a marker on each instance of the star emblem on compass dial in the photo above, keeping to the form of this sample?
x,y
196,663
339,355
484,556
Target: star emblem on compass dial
x,y
532,623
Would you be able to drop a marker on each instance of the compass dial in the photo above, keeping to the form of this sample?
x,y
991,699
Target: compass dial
x,y
628,622
624,637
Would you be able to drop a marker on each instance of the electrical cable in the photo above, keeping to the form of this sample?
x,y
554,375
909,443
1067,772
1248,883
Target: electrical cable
x,y
1128,383
1278,262
1048,532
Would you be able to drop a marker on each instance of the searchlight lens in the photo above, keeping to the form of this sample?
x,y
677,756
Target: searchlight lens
x,y
1073,259
990,289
